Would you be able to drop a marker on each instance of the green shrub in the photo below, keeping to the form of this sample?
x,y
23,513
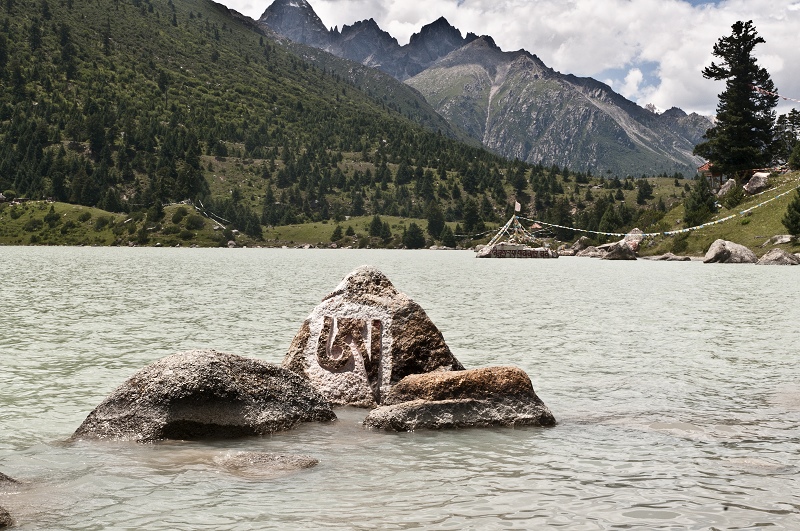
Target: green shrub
x,y
172,229
67,226
195,222
16,213
102,222
680,243
186,235
179,214
84,217
33,225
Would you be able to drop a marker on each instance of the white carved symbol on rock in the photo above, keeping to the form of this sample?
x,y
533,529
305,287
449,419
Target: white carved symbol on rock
x,y
344,342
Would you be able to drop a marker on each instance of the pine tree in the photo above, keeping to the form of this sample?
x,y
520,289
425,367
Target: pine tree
x,y
791,220
742,137
435,219
700,204
413,237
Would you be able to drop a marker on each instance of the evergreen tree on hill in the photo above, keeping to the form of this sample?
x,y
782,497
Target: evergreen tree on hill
x,y
791,220
742,137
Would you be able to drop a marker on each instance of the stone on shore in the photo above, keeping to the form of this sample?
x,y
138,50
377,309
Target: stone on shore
x,y
205,394
778,256
669,257
492,396
581,244
725,252
264,465
619,251
363,338
591,252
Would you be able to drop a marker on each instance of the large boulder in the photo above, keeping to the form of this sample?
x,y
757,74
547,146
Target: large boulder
x,y
729,185
619,251
725,252
780,239
778,256
205,394
757,183
363,338
492,396
633,239
581,243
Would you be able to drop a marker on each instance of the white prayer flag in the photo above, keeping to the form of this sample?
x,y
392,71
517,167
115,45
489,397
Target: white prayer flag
x,y
517,206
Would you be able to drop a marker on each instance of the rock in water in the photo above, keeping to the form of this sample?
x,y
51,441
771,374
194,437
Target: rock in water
x,y
6,479
363,338
779,257
5,519
725,252
261,465
205,394
492,396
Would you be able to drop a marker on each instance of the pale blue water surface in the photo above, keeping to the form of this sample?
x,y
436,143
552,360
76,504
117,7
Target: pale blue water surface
x,y
675,386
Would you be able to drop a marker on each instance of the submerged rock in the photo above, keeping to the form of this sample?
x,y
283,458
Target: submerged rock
x,y
264,465
205,394
779,257
5,518
725,252
363,338
619,251
492,396
6,479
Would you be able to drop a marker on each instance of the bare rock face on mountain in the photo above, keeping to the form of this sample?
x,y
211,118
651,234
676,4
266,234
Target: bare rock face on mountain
x,y
363,338
778,257
205,394
492,396
297,20
725,252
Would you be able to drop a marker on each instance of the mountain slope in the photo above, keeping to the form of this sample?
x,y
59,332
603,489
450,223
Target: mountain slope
x,y
520,108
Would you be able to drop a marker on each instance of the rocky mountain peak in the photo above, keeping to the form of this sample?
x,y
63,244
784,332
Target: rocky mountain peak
x,y
296,20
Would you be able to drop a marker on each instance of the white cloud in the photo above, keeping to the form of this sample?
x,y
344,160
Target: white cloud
x,y
587,37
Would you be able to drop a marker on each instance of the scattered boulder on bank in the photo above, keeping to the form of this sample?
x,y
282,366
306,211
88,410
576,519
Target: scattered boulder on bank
x,y
619,251
780,239
591,252
778,256
757,183
205,394
264,465
565,250
729,185
492,396
669,257
725,252
363,338
581,243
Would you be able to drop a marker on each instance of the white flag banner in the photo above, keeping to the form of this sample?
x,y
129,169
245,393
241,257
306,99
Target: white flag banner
x,y
517,206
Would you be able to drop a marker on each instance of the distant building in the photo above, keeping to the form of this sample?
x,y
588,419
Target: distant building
x,y
714,177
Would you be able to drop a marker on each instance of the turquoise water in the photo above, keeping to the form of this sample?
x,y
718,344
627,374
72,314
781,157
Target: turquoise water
x,y
675,386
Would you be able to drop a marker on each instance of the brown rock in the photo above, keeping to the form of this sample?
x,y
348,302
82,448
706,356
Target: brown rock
x,y
619,251
493,396
264,465
205,394
363,338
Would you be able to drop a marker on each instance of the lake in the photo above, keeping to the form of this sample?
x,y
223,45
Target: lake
x,y
675,387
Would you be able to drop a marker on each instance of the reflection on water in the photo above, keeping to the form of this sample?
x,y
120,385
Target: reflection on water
x,y
675,387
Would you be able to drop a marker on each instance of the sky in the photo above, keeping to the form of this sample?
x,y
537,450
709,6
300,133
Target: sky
x,y
650,51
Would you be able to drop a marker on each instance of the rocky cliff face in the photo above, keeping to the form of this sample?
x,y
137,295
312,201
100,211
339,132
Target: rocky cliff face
x,y
510,101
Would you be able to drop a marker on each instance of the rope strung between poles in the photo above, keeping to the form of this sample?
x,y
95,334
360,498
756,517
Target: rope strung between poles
x,y
670,232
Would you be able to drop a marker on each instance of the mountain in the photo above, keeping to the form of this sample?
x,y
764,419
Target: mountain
x,y
520,108
510,101
365,42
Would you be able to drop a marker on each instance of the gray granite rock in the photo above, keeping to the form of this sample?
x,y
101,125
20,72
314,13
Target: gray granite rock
x,y
619,251
492,396
363,338
581,244
669,257
778,256
205,394
725,252
780,239
729,185
757,183
591,252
